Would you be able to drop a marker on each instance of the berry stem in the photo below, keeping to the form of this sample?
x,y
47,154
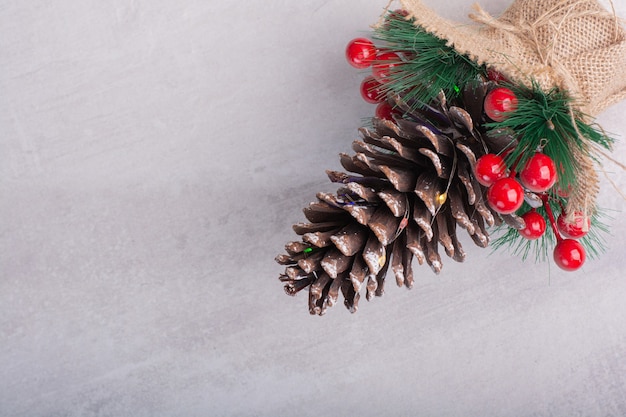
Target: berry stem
x,y
546,204
513,169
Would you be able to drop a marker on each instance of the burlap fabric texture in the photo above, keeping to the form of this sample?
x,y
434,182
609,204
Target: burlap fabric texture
x,y
575,45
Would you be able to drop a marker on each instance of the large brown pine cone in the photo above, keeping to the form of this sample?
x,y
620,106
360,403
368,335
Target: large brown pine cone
x,y
414,186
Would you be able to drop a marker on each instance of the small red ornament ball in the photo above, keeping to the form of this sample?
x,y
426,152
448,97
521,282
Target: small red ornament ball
x,y
489,168
535,225
505,196
499,102
371,91
384,64
574,230
360,53
539,173
569,254
384,111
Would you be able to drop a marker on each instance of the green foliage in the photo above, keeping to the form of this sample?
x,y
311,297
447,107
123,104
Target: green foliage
x,y
545,120
429,66
509,239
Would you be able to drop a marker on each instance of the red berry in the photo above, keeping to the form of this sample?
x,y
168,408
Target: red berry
x,y
370,90
360,52
575,230
539,173
499,102
384,111
569,254
535,225
384,65
505,195
489,168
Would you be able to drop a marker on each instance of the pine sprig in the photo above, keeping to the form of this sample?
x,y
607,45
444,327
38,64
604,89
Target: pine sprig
x,y
510,239
546,120
429,65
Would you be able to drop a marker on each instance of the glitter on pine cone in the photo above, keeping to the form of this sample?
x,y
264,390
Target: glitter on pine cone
x,y
409,187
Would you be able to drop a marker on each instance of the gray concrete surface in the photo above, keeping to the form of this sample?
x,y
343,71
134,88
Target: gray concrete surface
x,y
153,156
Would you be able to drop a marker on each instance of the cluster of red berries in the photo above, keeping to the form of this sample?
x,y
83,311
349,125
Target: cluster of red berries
x,y
506,195
361,53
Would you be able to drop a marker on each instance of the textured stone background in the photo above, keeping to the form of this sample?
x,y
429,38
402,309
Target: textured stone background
x,y
153,156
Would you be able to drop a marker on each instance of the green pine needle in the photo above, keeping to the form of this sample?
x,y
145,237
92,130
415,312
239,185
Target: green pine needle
x,y
429,66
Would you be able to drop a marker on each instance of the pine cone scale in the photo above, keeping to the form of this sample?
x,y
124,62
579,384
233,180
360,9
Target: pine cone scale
x,y
350,240
384,225
402,180
443,165
334,263
414,240
427,189
374,255
396,201
423,218
458,210
358,273
462,118
440,143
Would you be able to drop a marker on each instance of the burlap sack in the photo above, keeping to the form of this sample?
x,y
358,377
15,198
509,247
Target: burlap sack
x,y
575,45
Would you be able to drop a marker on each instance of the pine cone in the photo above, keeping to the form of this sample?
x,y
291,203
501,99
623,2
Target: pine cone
x,y
414,186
